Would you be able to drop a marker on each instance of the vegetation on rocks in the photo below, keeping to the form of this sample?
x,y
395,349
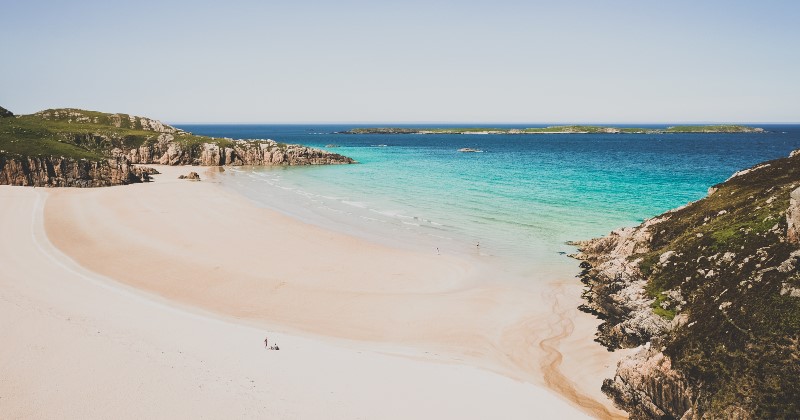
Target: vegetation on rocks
x,y
722,273
29,144
88,135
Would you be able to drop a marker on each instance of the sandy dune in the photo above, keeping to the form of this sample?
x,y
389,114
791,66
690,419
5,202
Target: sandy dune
x,y
153,300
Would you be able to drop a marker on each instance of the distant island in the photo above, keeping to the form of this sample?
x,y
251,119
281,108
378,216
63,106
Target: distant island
x,y
78,148
563,129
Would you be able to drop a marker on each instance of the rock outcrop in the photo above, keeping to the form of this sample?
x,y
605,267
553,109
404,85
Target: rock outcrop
x,y
167,150
616,288
171,146
66,172
793,217
649,388
68,146
710,292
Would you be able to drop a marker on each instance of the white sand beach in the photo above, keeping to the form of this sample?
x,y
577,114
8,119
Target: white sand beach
x,y
153,300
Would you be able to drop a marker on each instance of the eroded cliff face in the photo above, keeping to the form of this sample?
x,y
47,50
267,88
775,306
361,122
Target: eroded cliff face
x,y
710,293
64,172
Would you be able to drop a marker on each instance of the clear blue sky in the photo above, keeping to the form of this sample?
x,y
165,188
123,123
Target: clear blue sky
x,y
406,61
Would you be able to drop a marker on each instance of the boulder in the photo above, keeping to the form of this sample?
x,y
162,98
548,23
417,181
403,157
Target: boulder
x,y
193,176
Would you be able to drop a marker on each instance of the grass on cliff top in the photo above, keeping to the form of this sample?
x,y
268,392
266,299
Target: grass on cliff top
x,y
92,138
24,136
737,219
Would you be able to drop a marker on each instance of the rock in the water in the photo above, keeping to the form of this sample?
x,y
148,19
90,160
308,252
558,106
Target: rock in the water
x,y
193,176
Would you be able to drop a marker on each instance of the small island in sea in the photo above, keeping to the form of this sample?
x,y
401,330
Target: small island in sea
x,y
562,129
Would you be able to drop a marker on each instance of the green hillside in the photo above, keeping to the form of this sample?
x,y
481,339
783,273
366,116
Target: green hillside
x,y
81,134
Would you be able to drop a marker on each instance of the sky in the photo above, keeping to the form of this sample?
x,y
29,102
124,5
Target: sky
x,y
295,61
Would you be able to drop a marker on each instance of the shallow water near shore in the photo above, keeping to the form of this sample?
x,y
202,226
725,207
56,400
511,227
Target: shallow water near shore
x,y
514,205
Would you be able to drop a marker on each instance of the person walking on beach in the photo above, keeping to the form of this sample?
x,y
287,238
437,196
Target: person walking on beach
x,y
266,342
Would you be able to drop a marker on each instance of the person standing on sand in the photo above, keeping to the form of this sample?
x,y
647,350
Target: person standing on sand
x,y
266,342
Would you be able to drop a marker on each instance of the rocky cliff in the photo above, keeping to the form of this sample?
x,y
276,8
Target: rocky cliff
x,y
710,293
67,172
72,147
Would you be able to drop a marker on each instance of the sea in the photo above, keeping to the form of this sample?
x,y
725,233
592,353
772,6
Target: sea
x,y
515,204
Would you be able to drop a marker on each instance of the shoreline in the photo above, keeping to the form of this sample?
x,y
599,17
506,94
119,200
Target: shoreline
x,y
198,245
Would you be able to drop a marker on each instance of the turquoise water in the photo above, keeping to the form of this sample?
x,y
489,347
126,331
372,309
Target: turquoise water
x,y
521,199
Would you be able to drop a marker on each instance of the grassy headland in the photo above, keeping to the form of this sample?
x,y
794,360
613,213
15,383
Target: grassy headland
x,y
715,288
91,135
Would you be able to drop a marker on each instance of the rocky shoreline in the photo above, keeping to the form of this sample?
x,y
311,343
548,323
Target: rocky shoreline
x,y
77,148
645,385
710,295
66,172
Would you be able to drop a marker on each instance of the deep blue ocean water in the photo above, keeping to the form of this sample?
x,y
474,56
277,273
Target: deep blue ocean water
x,y
521,199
